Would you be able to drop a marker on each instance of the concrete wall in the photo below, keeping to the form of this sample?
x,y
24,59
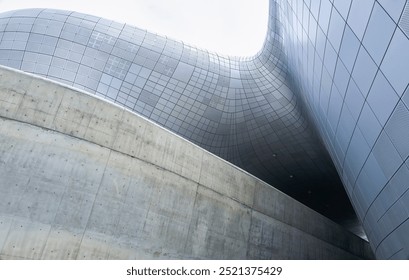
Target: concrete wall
x,y
81,178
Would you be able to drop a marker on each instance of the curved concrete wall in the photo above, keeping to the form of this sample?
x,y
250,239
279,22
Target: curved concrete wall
x,y
82,178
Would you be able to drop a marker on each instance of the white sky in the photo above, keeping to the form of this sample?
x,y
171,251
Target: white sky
x,y
232,27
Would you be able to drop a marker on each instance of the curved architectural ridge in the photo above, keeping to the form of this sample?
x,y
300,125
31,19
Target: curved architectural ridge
x,y
323,60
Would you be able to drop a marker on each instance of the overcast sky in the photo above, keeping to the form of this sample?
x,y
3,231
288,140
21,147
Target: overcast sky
x,y
233,27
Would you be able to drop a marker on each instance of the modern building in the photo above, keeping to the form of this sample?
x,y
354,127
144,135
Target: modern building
x,y
320,113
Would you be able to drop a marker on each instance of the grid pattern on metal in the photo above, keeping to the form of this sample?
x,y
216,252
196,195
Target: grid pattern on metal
x,y
341,64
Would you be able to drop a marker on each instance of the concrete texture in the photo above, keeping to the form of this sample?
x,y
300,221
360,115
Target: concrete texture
x,y
81,178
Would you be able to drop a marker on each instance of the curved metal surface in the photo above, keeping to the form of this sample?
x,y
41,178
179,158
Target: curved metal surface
x,y
241,109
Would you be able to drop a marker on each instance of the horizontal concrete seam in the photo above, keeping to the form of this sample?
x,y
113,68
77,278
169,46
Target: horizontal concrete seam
x,y
145,161
197,184
184,177
134,157
123,153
